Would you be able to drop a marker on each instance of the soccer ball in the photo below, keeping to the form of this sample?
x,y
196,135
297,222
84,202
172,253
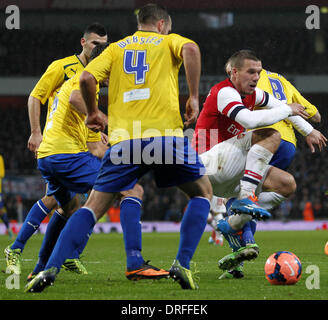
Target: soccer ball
x,y
326,248
283,267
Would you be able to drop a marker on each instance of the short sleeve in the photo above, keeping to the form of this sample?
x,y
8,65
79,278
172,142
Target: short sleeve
x,y
176,42
100,66
51,80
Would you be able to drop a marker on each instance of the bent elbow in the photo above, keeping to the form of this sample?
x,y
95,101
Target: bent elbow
x,y
86,78
190,49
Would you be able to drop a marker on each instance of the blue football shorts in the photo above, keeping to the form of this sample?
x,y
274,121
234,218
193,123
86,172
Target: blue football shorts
x,y
172,160
68,174
284,156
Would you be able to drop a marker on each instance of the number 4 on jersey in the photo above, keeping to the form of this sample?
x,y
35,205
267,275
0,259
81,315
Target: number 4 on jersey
x,y
135,63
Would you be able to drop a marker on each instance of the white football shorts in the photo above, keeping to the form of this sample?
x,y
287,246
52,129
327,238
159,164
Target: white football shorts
x,y
225,165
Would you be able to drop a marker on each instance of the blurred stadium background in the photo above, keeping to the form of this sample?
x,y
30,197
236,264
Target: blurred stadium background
x,y
275,29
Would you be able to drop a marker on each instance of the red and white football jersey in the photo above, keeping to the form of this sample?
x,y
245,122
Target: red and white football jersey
x,y
216,121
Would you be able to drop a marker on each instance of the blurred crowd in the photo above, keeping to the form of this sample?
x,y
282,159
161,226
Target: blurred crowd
x,y
216,46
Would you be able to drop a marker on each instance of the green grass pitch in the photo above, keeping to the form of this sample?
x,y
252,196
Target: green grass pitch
x,y
104,258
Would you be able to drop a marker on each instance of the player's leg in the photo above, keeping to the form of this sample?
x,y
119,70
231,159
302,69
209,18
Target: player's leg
x,y
130,215
66,174
282,159
278,186
36,215
32,222
284,156
192,228
241,242
75,232
187,172
264,143
55,226
217,211
111,177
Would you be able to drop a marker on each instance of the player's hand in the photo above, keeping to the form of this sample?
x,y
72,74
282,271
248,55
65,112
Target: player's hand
x,y
104,138
34,142
316,138
96,121
299,110
192,111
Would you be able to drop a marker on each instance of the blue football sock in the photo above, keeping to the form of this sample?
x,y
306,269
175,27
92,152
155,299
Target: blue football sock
x,y
130,212
192,228
78,251
55,226
32,222
5,219
75,232
224,226
248,232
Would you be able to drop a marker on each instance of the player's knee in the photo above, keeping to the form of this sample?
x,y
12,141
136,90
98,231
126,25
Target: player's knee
x,y
288,185
49,202
136,192
70,207
205,188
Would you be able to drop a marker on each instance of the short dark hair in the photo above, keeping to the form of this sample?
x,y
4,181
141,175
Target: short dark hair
x,y
98,49
96,28
151,13
237,59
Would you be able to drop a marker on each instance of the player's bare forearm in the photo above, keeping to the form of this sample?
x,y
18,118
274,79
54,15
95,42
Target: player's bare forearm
x,y
88,87
34,109
192,64
77,101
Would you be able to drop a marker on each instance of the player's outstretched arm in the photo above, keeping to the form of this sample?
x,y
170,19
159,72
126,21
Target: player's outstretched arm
x,y
34,109
192,64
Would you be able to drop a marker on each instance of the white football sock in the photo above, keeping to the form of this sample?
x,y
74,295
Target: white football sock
x,y
257,161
